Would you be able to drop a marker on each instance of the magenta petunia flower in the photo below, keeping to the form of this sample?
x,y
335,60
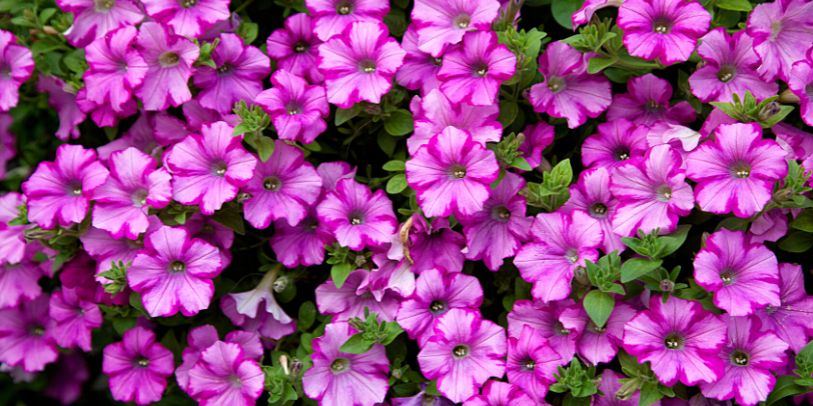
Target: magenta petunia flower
x,y
591,194
203,337
537,137
302,244
140,135
359,64
169,60
435,112
560,322
451,174
568,91
473,71
74,319
729,68
680,339
598,345
583,15
561,244
115,70
138,367
133,187
443,23
95,18
792,320
647,102
332,172
209,169
356,295
338,377
532,362
27,336
420,69
357,217
800,82
615,143
331,17
294,47
437,292
665,30
264,323
189,18
238,75
67,379
174,272
59,192
12,237
779,29
497,231
17,65
463,352
610,385
750,357
742,275
652,192
225,374
19,281
105,250
62,98
497,393
735,172
432,245
297,109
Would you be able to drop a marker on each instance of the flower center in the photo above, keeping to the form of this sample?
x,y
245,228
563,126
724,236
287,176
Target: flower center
x,y
367,66
300,47
225,68
169,59
142,362
437,306
556,84
436,61
741,170
271,183
103,5
140,197
339,365
726,73
458,171
653,106
355,219
177,266
572,255
220,168
661,26
673,342
502,213
344,8
187,3
727,277
76,189
664,193
293,109
529,365
460,351
739,358
481,70
560,329
622,154
38,331
598,209
462,21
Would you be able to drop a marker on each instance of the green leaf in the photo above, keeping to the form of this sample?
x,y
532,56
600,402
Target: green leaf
x,y
399,123
345,115
387,143
667,244
263,145
397,184
804,362
734,5
357,344
562,11
248,31
598,64
307,315
803,221
635,268
785,387
508,112
599,306
521,163
797,241
339,273
394,166
231,217
649,394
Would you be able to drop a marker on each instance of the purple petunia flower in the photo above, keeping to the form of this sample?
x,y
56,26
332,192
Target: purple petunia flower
x,y
800,83
568,91
298,110
338,377
95,18
359,64
736,171
357,217
665,30
780,30
257,310
420,69
174,272
189,18
742,275
443,23
561,244
432,245
62,98
473,71
652,192
537,137
203,337
583,15
730,68
435,112
792,320
74,318
354,297
452,174
591,194
749,357
19,279
238,74
208,169
647,102
598,345
169,60
680,339
609,386
226,374
294,47
496,393
27,336
331,17
532,362
59,192
115,71
615,143
17,65
302,244
561,323
138,367
463,352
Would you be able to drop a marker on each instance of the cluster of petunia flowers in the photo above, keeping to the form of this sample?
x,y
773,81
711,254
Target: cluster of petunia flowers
x,y
645,169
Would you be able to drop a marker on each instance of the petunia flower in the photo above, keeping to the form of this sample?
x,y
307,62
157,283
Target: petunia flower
x,y
302,244
750,357
443,23
537,137
19,281
679,338
591,195
59,192
62,98
463,352
331,17
17,65
792,320
238,74
583,15
434,112
7,142
359,64
532,363
609,386
106,250
561,323
600,344
169,60
258,308
93,19
663,30
735,172
615,143
209,168
568,91
800,79
451,174
434,245
189,18
294,47
779,29
115,70
27,336
138,367
497,393
74,319
652,193
338,377
12,237
420,69
647,102
729,68
226,374
473,71
174,272
297,109
561,244
67,379
333,172
357,217
141,135
354,298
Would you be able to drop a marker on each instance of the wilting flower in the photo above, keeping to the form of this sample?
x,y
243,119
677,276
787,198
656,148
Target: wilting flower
x,y
680,339
463,352
226,374
74,318
792,320
59,192
294,47
647,103
729,69
615,143
95,18
16,65
420,69
532,362
331,17
257,310
736,171
666,30
779,29
169,60
357,217
561,323
359,64
435,112
591,194
138,367
473,71
568,91
208,169
189,18
338,377
297,109
452,174
115,70
561,244
174,272
600,344
27,335
496,393
750,357
443,23
355,297
799,81
742,275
